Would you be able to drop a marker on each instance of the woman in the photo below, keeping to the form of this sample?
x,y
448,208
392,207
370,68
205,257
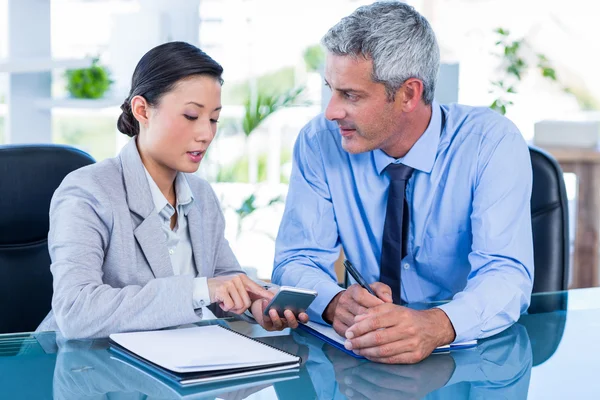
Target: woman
x,y
136,241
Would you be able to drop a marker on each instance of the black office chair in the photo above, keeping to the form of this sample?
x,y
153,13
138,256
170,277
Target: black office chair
x,y
29,175
550,223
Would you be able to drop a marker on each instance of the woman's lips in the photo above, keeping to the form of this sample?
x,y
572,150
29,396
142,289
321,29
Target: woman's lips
x,y
195,156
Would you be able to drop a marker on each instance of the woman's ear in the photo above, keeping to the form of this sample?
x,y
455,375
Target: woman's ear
x,y
139,109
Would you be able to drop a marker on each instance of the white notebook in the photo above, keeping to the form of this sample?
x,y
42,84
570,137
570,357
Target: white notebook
x,y
202,351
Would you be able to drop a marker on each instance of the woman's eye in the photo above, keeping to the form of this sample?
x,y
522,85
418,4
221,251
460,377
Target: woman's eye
x,y
214,121
190,118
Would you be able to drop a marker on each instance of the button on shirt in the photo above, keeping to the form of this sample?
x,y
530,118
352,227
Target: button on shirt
x,y
469,236
179,244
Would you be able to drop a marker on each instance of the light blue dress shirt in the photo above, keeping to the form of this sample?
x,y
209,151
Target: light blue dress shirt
x,y
470,234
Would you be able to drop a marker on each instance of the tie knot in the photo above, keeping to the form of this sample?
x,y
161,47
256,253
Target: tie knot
x,y
399,172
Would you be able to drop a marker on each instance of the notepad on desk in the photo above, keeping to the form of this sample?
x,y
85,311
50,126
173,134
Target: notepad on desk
x,y
329,335
201,354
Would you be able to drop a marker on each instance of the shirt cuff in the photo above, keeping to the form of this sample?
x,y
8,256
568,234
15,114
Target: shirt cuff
x,y
201,295
326,290
463,319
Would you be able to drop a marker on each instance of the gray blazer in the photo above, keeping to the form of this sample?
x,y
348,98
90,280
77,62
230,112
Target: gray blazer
x,y
110,263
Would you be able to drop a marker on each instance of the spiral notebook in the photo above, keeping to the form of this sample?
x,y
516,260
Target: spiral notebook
x,y
201,354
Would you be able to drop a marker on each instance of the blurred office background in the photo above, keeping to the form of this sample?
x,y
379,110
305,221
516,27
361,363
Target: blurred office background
x,y
536,60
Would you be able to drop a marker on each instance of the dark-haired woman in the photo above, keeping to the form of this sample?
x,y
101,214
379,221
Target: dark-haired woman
x,y
136,241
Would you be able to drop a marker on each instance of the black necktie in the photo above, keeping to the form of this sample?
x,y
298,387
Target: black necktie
x,y
395,229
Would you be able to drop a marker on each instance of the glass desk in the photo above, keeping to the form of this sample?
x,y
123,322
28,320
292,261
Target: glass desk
x,y
552,352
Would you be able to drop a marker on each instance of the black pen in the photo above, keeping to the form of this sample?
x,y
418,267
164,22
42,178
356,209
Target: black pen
x,y
358,277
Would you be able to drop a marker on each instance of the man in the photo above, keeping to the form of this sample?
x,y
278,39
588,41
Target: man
x,y
431,201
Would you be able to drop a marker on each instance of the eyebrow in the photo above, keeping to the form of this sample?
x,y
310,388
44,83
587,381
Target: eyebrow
x,y
202,105
345,90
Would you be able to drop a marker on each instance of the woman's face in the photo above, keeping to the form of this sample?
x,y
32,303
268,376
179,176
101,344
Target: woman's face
x,y
179,129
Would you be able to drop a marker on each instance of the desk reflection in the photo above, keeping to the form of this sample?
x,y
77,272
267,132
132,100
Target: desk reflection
x,y
500,367
86,370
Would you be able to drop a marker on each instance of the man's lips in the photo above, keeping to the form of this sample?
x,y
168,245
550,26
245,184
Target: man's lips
x,y
346,131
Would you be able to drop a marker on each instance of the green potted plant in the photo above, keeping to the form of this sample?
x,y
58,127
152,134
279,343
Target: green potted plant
x,y
261,106
264,104
88,83
514,66
256,109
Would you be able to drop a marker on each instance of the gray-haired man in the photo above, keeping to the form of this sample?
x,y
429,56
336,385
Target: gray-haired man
x,y
430,202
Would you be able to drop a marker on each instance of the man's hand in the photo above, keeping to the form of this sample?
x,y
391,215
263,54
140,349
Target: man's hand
x,y
346,305
393,334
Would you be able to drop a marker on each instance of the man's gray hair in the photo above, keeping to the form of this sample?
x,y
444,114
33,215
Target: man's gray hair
x,y
398,40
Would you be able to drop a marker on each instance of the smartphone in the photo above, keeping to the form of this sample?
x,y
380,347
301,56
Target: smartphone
x,y
290,298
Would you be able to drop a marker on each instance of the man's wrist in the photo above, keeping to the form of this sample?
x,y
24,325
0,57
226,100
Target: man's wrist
x,y
446,331
329,312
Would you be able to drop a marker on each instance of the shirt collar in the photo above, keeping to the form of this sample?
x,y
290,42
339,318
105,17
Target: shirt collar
x,y
183,193
422,155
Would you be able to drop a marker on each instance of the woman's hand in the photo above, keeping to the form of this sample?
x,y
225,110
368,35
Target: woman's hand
x,y
273,322
236,293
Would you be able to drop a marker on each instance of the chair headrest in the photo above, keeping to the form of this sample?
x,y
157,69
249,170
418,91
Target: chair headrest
x,y
29,175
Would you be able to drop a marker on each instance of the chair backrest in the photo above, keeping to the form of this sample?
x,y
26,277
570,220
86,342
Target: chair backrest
x,y
29,175
550,223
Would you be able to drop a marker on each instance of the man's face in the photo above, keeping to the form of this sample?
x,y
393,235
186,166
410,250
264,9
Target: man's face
x,y
366,118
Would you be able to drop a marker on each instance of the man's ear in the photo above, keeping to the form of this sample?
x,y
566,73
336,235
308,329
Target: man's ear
x,y
139,108
410,94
